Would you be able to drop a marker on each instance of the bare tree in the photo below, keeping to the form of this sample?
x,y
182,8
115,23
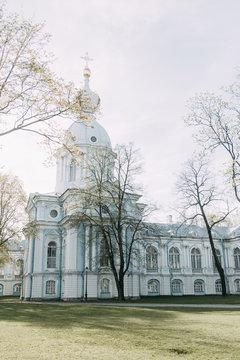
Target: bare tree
x,y
216,119
200,199
111,204
30,93
12,202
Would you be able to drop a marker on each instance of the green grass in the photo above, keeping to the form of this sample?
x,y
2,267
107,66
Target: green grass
x,y
87,332
9,298
187,299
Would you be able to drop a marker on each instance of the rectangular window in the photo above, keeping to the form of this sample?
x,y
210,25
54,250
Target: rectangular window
x,y
52,256
198,287
50,287
174,261
176,287
218,286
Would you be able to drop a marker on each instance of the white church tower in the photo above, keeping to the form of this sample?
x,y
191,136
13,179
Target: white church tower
x,y
88,136
57,253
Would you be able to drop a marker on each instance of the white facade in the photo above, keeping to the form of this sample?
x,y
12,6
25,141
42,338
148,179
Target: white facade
x,y
11,271
173,260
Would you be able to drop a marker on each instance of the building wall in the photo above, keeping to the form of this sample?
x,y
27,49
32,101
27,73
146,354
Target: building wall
x,y
11,272
78,246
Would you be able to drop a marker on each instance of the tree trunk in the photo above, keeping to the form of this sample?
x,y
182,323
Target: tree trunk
x,y
217,263
121,293
120,288
222,277
119,281
219,267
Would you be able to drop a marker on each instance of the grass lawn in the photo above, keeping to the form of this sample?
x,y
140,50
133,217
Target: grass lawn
x,y
87,332
188,299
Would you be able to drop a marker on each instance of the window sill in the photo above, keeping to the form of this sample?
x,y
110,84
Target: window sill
x,y
105,295
53,294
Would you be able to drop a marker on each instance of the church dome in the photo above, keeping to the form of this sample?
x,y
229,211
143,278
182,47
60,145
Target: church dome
x,y
86,130
89,134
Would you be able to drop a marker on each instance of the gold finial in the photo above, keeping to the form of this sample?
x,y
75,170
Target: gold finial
x,y
86,58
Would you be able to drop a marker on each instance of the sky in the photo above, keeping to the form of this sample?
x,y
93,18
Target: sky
x,y
149,58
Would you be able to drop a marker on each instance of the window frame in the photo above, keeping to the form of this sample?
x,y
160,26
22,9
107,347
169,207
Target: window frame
x,y
180,283
52,255
218,286
153,293
151,258
50,287
196,259
17,288
237,286
202,290
236,257
174,258
103,256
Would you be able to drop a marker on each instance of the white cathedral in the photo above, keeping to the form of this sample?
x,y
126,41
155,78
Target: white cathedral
x,y
59,265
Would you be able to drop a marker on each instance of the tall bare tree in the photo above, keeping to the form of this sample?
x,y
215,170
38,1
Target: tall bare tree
x,y
217,122
200,199
110,203
12,216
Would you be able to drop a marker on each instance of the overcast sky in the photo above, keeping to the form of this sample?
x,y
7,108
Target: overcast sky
x,y
150,57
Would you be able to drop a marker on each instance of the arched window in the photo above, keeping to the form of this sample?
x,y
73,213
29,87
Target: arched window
x,y
177,287
196,259
152,258
72,170
199,287
174,258
237,285
50,287
1,290
218,253
236,254
103,255
17,289
218,286
52,255
105,286
153,287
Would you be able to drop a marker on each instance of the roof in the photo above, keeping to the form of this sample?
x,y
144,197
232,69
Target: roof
x,y
89,134
178,229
